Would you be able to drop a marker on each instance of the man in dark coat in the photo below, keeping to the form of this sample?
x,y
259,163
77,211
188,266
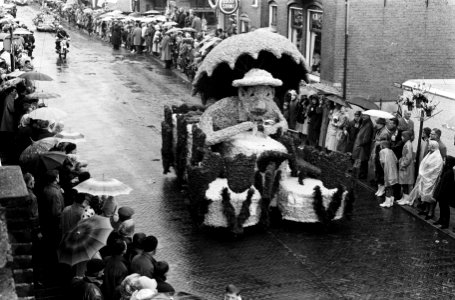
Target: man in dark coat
x,y
396,142
116,38
144,263
353,129
89,287
361,149
445,191
115,270
52,207
181,18
314,114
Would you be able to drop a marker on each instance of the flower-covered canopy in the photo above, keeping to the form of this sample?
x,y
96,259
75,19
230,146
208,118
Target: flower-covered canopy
x,y
236,55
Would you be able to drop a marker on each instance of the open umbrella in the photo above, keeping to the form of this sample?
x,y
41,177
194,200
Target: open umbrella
x,y
169,24
160,18
47,114
21,31
189,29
173,30
15,73
108,187
72,137
36,148
36,76
363,103
42,95
84,240
44,162
338,100
378,114
233,57
10,83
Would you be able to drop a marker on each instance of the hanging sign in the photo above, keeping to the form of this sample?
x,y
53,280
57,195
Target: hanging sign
x,y
228,7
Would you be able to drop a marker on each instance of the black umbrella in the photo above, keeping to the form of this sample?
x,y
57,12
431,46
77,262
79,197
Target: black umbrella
x,y
363,103
338,100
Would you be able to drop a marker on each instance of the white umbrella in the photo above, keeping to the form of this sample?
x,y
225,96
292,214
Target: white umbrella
x,y
72,137
108,187
169,24
378,114
47,114
160,18
20,31
151,12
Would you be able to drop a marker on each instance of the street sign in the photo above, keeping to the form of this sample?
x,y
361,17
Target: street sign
x,y
228,7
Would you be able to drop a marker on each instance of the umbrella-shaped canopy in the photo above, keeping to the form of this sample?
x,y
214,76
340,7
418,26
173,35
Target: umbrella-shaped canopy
x,y
173,30
72,137
235,56
108,187
36,76
211,42
189,29
36,148
378,114
363,103
135,15
47,114
84,240
42,95
21,31
337,100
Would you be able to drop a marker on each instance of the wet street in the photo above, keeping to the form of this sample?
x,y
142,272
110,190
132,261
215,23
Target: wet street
x,y
116,99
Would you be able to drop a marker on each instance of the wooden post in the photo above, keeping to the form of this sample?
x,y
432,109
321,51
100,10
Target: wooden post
x,y
419,142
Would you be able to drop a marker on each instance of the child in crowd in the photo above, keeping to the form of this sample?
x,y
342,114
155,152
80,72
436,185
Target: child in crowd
x,y
389,165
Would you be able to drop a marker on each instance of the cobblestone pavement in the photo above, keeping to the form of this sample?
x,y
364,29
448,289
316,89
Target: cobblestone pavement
x,y
116,100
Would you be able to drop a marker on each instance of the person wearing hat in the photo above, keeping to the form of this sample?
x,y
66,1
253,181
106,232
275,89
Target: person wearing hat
x,y
381,134
89,287
250,109
353,128
124,213
406,167
60,35
52,203
144,263
362,145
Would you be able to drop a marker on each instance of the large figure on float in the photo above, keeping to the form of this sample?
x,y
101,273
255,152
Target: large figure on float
x,y
252,111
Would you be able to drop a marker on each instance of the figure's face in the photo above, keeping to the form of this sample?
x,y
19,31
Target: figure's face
x,y
357,118
256,99
391,125
231,297
407,115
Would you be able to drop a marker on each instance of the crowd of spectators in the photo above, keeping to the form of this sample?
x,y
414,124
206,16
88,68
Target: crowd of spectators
x,y
381,151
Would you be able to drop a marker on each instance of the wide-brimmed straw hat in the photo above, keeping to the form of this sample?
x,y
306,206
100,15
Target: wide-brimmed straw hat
x,y
257,77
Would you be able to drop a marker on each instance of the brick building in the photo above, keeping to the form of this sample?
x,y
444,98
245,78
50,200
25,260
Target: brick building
x,y
389,41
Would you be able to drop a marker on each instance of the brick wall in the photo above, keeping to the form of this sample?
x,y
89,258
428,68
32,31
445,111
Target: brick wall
x,y
253,12
389,41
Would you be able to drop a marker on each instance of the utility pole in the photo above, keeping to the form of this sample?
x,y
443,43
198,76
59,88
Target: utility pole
x,y
12,49
346,39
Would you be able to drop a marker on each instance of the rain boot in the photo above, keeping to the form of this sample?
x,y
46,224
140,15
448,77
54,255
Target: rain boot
x,y
404,200
385,203
391,201
381,191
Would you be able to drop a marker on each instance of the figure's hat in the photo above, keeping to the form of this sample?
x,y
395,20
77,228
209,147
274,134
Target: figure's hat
x,y
257,77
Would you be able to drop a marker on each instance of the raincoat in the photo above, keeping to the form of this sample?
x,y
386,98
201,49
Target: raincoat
x,y
406,165
362,144
137,36
166,48
429,171
389,164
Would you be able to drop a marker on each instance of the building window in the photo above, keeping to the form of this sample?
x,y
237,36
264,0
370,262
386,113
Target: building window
x,y
254,3
273,14
244,23
313,40
295,26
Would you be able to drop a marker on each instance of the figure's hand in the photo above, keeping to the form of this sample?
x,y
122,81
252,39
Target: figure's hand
x,y
246,126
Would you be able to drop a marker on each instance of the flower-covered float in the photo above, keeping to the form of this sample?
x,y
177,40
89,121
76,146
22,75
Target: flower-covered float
x,y
235,156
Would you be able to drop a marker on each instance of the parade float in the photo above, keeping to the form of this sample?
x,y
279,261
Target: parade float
x,y
234,155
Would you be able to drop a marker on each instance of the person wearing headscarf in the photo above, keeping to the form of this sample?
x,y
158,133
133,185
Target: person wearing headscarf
x,y
389,165
429,170
406,166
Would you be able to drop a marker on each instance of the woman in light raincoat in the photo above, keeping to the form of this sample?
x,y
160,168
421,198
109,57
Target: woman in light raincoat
x,y
429,170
